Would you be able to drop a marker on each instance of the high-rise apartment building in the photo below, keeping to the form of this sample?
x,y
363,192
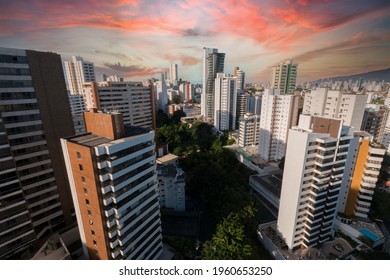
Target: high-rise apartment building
x,y
242,104
132,99
225,99
112,174
213,63
78,72
312,179
367,157
248,134
161,96
374,121
254,104
278,114
34,114
77,107
335,104
284,76
173,73
240,75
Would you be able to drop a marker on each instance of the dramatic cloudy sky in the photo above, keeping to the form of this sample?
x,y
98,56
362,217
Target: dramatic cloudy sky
x,y
138,39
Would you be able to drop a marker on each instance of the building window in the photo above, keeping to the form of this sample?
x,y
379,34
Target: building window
x,y
83,180
94,242
89,212
93,232
87,201
81,167
78,155
91,222
85,190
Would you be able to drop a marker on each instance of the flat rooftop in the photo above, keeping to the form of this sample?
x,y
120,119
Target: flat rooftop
x,y
272,183
92,140
167,158
88,140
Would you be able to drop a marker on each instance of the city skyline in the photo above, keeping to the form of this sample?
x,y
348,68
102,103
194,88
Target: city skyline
x,y
139,39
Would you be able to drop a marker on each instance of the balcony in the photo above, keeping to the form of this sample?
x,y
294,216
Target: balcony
x,y
107,201
112,234
114,244
106,190
368,184
368,192
111,223
371,171
109,212
104,177
115,253
373,165
363,203
362,209
102,164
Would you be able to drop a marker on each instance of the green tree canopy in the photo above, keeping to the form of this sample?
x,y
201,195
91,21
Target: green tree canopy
x,y
228,242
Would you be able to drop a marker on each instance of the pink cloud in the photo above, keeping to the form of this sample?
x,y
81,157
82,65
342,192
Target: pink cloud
x,y
274,24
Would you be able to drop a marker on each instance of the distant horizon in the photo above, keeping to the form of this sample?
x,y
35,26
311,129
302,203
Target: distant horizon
x,y
138,39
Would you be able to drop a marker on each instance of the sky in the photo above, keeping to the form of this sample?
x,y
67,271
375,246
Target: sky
x,y
139,39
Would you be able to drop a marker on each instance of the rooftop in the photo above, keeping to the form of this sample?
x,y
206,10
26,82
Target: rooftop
x,y
272,183
92,140
167,158
336,248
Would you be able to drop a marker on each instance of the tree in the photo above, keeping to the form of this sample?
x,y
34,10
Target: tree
x,y
177,115
161,118
176,99
228,242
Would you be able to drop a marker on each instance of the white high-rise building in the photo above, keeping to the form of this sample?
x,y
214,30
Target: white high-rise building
x,y
248,134
77,72
316,155
173,73
278,114
161,96
132,99
334,104
284,76
225,102
213,63
240,75
171,187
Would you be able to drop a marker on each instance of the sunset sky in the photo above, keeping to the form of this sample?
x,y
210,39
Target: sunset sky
x,y
137,39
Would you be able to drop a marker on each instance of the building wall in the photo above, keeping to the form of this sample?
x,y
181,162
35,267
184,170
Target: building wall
x,y
278,114
132,99
312,180
291,185
34,114
248,134
357,177
334,104
284,76
86,186
225,99
106,125
213,63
